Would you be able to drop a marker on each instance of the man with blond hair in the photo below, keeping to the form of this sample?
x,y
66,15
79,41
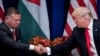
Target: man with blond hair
x,y
88,43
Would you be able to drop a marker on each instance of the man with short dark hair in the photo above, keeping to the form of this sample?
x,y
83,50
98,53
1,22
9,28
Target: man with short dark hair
x,y
10,45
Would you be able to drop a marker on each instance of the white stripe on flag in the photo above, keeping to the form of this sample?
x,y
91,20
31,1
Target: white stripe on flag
x,y
1,5
1,11
39,13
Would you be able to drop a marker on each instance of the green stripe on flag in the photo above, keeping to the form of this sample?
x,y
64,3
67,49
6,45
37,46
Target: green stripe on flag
x,y
29,27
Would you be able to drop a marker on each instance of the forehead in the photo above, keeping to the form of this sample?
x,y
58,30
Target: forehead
x,y
16,16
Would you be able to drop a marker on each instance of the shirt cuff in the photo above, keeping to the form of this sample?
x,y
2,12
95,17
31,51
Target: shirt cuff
x,y
31,47
48,50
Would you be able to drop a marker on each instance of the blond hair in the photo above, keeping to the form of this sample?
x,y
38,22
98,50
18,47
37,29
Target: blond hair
x,y
79,10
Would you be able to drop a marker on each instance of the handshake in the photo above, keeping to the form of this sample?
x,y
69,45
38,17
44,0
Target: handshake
x,y
40,49
41,44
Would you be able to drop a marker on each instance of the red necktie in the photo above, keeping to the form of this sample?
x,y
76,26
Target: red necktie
x,y
14,35
87,40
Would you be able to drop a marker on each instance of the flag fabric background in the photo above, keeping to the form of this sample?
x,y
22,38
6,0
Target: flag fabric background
x,y
59,12
60,22
98,8
34,20
70,24
1,11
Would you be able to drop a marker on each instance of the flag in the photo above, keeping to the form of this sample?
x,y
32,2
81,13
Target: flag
x,y
34,20
70,24
1,11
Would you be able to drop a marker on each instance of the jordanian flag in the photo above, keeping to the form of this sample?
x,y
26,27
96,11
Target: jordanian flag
x,y
34,20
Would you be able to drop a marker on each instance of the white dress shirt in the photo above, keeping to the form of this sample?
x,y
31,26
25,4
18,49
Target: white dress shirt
x,y
92,46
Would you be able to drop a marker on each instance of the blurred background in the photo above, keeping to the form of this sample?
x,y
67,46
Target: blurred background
x,y
48,18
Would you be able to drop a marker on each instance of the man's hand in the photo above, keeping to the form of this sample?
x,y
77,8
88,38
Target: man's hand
x,y
43,49
40,49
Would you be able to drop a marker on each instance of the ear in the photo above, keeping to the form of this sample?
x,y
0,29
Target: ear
x,y
7,17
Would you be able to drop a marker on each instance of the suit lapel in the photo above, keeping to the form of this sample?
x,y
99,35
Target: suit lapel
x,y
18,35
81,40
6,28
96,34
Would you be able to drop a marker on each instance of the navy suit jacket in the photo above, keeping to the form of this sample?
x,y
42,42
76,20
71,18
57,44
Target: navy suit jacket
x,y
77,39
9,47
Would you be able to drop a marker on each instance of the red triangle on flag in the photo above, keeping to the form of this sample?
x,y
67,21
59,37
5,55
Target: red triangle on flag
x,y
35,1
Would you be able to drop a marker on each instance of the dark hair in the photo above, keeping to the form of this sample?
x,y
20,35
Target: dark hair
x,y
10,11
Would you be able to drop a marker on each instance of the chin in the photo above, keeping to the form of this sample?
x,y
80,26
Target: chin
x,y
15,27
79,27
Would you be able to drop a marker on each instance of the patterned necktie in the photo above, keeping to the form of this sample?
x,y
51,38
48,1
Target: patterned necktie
x,y
14,35
87,40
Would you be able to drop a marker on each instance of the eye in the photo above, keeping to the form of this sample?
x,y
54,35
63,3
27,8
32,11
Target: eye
x,y
83,15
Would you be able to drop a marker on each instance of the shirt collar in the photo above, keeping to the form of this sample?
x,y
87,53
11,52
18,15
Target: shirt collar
x,y
11,29
90,25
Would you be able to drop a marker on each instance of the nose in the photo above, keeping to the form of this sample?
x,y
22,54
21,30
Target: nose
x,y
18,22
75,20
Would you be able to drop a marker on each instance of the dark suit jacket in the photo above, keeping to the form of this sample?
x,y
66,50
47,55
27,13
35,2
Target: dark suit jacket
x,y
9,47
78,39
